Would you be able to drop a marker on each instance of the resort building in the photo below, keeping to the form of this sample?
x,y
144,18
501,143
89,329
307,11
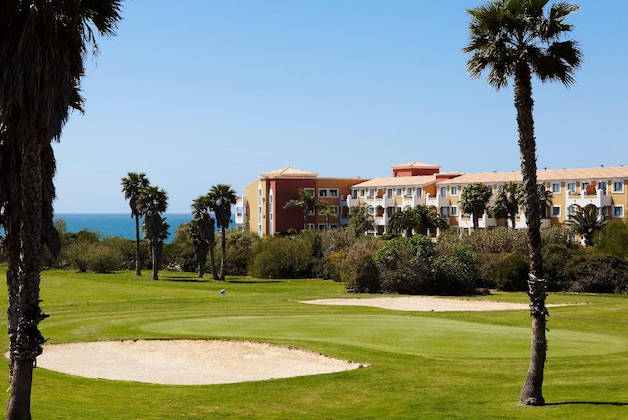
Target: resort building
x,y
571,190
418,183
261,208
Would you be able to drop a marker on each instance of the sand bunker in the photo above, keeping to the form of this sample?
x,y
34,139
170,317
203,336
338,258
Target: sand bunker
x,y
186,362
202,362
423,304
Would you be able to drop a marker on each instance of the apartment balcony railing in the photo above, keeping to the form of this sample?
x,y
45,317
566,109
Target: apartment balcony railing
x,y
437,201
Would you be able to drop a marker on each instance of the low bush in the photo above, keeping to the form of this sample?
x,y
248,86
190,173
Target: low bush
x,y
595,273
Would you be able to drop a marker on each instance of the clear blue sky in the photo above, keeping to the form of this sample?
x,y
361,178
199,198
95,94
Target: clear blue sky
x,y
200,92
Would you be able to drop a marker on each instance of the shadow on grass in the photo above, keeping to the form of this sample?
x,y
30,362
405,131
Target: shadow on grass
x,y
184,279
618,404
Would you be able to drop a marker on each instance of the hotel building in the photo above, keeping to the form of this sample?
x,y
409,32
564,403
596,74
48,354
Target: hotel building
x,y
419,183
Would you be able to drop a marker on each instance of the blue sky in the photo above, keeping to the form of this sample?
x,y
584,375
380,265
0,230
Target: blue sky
x,y
200,92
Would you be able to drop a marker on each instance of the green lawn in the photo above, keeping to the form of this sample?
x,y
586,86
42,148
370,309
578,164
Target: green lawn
x,y
466,365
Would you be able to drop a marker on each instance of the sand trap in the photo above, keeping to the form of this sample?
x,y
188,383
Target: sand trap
x,y
203,362
423,304
186,362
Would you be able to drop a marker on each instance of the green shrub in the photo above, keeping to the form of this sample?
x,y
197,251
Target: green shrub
x,y
357,269
555,260
457,272
410,275
613,239
595,273
282,258
510,272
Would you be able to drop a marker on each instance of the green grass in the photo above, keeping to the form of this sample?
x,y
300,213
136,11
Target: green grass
x,y
463,365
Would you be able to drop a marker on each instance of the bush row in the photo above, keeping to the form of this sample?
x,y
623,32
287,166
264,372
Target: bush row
x,y
453,265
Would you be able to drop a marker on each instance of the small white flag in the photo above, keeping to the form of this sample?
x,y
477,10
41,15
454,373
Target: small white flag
x,y
223,292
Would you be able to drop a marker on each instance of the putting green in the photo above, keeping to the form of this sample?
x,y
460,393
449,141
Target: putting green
x,y
434,337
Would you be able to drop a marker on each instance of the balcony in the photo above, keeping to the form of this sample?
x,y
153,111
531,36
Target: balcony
x,y
598,199
437,201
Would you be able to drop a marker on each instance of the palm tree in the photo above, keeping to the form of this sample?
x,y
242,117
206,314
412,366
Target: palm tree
x,y
306,203
223,197
586,222
42,47
515,39
507,202
202,229
403,222
152,202
545,200
132,185
473,200
428,218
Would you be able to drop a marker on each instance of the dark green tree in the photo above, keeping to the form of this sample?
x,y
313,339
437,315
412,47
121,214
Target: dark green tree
x,y
222,198
42,47
132,185
360,221
586,222
152,203
474,201
515,39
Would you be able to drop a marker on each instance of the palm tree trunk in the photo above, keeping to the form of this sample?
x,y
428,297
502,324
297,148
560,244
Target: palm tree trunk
x,y
155,259
531,394
28,339
212,262
223,257
138,266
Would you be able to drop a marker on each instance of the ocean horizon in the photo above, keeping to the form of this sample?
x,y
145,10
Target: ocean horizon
x,y
117,224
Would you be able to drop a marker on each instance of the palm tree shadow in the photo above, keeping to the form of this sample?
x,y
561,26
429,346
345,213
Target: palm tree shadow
x,y
618,404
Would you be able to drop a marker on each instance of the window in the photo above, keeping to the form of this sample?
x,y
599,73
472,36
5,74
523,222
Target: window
x,y
572,210
601,185
398,192
322,192
618,211
310,212
408,191
555,211
309,191
453,210
618,186
310,226
419,192
371,210
389,193
555,187
362,192
604,212
571,187
454,190
355,193
334,209
443,192
371,192
333,192
443,211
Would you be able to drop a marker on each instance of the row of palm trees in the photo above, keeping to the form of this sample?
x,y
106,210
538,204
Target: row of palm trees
x,y
208,212
149,202
475,197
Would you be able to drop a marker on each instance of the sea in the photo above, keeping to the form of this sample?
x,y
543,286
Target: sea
x,y
117,224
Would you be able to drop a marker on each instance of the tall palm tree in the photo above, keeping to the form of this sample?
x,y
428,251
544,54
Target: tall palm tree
x,y
132,185
152,202
474,200
203,232
223,197
360,221
515,39
42,47
507,202
306,203
586,222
